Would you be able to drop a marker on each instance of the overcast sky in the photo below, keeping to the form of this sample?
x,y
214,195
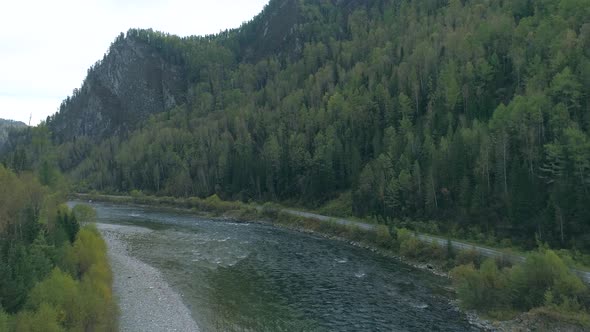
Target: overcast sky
x,y
46,46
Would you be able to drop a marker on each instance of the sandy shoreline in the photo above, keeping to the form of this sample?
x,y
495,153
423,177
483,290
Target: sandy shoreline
x,y
146,301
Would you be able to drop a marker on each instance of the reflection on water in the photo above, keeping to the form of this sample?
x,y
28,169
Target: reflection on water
x,y
250,277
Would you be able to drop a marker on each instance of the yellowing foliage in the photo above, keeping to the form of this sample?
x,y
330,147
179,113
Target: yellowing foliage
x,y
542,280
65,302
89,248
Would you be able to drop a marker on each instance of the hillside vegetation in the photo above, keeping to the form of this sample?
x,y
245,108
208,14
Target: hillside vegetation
x,y
54,276
473,113
6,126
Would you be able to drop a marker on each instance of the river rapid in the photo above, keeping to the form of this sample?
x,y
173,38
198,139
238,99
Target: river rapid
x,y
234,276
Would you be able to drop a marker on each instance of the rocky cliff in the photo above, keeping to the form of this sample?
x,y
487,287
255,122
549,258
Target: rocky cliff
x,y
131,82
145,73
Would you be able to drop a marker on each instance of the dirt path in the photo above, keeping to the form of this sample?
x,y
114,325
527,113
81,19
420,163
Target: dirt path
x,y
486,252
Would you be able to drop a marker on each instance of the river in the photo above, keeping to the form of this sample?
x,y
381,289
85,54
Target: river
x,y
235,276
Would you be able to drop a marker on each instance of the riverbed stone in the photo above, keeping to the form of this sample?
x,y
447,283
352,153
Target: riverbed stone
x,y
146,301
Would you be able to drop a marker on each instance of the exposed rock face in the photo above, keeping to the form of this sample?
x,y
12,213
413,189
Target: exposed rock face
x,y
132,82
136,79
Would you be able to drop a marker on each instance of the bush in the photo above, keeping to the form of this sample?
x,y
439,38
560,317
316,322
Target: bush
x,y
541,272
409,245
434,251
354,232
215,204
39,267
506,243
89,249
542,280
471,256
46,319
4,320
468,283
339,207
136,193
97,304
270,210
403,234
410,248
213,200
483,289
81,305
383,237
328,227
61,292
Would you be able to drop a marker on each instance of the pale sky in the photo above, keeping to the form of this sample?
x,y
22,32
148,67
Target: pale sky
x,y
46,46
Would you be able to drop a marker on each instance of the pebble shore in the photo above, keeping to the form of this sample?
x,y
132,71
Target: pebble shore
x,y
146,301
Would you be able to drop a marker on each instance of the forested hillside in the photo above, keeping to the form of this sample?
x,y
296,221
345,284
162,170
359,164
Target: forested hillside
x,y
6,126
54,276
473,113
129,84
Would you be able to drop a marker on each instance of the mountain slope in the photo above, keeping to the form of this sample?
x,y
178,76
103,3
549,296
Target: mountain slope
x,y
6,126
471,113
146,72
132,82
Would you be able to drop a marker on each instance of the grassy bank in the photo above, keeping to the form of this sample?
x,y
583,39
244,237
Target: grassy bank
x,y
212,205
494,288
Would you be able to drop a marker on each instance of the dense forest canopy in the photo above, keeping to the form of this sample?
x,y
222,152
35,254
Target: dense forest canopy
x,y
473,113
6,126
54,276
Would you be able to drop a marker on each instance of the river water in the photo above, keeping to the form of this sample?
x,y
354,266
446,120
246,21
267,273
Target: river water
x,y
254,277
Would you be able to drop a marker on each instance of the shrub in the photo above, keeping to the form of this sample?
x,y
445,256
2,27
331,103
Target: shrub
x,y
354,233
483,289
85,305
468,284
61,292
215,204
136,193
270,210
410,247
89,249
340,206
466,257
329,227
434,251
4,320
46,319
97,303
383,237
542,280
506,243
403,234
541,272
213,200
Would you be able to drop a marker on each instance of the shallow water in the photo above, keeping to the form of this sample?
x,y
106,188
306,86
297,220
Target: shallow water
x,y
252,277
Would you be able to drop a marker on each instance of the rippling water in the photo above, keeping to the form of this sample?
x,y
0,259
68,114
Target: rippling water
x,y
252,277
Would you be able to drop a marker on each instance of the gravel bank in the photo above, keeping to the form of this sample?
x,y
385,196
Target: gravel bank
x,y
146,301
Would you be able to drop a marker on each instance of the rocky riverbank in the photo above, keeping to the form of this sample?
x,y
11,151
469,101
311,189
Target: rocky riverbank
x,y
146,301
521,323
